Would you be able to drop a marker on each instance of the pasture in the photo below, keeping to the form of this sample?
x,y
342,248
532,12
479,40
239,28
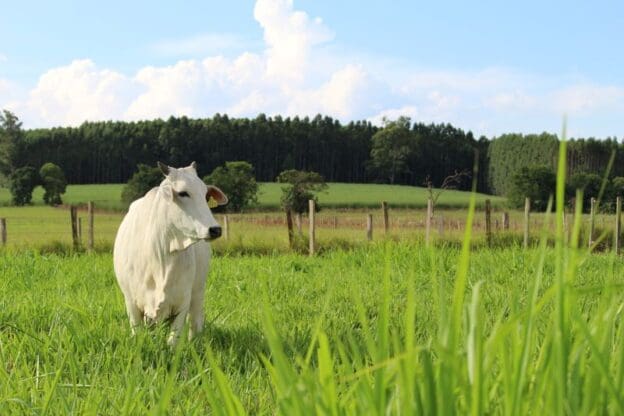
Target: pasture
x,y
389,327
341,222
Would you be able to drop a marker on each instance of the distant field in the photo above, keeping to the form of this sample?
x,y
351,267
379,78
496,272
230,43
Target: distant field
x,y
261,230
106,196
338,195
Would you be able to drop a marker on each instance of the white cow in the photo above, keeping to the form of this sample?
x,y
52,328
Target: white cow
x,y
162,251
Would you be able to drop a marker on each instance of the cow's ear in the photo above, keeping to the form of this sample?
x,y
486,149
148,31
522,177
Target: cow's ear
x,y
194,165
216,194
164,168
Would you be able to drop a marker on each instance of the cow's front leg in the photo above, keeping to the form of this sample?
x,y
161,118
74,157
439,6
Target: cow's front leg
x,y
134,314
177,325
196,314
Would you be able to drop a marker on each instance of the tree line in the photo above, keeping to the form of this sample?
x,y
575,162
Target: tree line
x,y
509,153
110,151
400,151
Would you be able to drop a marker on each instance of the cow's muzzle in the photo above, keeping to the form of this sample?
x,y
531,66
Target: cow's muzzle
x,y
214,232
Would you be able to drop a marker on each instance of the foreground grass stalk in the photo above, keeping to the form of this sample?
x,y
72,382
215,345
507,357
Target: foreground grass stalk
x,y
562,331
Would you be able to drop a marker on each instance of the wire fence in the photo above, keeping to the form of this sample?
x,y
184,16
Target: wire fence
x,y
87,226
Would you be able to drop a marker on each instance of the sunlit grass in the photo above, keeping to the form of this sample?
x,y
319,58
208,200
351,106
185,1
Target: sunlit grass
x,y
388,327
338,195
349,331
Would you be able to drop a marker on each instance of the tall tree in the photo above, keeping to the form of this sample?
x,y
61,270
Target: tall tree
x,y
391,148
10,142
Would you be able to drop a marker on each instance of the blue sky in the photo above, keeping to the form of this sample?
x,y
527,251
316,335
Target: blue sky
x,y
490,67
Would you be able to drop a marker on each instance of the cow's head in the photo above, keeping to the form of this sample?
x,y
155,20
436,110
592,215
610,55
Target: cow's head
x,y
188,214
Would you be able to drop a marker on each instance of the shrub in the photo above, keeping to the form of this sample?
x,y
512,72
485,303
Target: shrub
x,y
537,183
617,186
589,183
53,182
142,181
302,186
237,181
23,181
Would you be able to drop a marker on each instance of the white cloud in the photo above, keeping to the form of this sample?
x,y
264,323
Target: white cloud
x,y
171,90
289,36
394,113
200,44
515,100
339,96
585,98
78,92
5,86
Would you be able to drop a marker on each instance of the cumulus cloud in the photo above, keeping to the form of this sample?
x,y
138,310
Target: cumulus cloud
x,y
289,36
339,96
279,80
78,92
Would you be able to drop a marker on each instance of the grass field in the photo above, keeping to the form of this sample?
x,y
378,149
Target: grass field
x,y
387,328
259,231
338,195
384,327
49,229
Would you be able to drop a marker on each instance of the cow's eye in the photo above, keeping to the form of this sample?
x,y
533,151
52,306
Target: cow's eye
x,y
183,194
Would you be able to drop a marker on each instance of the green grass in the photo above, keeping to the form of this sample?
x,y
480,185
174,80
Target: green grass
x,y
49,230
390,327
363,331
349,195
338,195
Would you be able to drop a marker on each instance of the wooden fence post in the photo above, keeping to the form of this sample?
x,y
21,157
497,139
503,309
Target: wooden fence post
x,y
3,231
488,222
384,207
505,221
226,227
73,213
428,221
369,227
527,209
312,231
592,221
618,224
289,224
90,236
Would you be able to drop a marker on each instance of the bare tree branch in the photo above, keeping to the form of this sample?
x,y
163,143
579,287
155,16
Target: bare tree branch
x,y
450,182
